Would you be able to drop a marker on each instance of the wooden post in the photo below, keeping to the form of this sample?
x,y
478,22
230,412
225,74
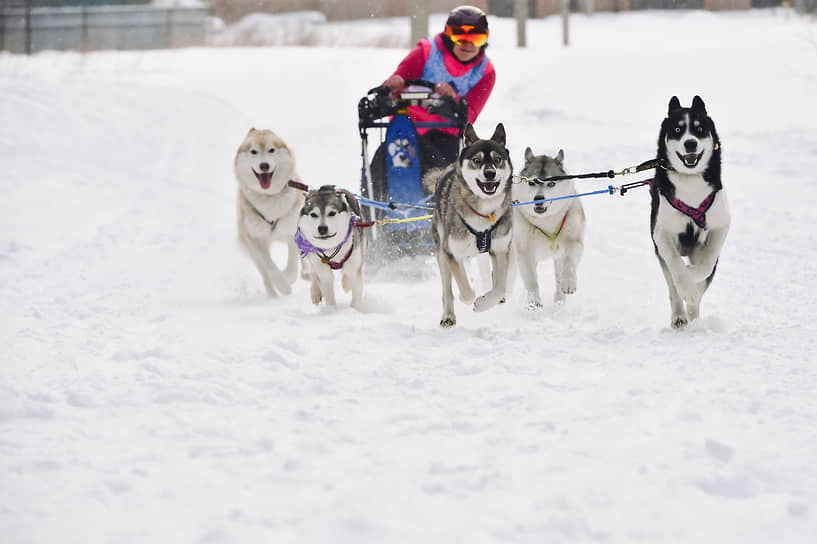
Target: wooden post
x,y
565,16
84,47
28,27
418,13
520,10
2,30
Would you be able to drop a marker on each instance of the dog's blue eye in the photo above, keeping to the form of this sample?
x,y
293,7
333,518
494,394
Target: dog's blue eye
x,y
551,184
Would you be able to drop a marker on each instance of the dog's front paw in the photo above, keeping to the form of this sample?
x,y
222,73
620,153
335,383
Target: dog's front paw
x,y
678,321
693,311
568,284
448,321
487,301
566,278
316,294
534,302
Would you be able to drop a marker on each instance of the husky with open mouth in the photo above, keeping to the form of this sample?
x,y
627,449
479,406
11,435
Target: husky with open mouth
x,y
330,238
689,216
548,228
269,201
472,216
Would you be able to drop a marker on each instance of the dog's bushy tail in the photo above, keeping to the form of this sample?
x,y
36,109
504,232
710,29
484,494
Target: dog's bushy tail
x,y
433,176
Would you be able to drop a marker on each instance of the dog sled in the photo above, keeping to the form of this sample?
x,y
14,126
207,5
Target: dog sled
x,y
395,197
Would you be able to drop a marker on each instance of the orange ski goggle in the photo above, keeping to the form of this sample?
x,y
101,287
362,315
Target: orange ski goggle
x,y
464,33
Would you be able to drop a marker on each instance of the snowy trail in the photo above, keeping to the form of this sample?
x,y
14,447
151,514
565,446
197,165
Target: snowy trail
x,y
149,392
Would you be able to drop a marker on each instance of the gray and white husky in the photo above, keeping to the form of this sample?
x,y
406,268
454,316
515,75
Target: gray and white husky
x,y
268,205
329,239
547,229
689,211
472,216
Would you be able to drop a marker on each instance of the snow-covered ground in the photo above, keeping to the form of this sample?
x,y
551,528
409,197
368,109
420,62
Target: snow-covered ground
x,y
150,392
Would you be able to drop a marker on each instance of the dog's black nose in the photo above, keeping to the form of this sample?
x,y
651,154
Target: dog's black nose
x,y
264,166
490,175
690,145
322,230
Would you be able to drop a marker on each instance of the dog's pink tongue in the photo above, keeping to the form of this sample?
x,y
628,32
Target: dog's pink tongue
x,y
265,180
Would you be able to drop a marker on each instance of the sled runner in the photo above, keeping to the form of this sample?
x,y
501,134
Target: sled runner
x,y
396,188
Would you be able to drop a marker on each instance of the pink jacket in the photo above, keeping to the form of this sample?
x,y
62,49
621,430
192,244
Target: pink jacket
x,y
412,68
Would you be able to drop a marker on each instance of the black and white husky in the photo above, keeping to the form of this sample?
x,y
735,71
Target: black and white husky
x,y
329,240
472,216
549,228
689,211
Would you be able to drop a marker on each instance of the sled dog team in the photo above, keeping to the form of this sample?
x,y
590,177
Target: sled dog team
x,y
689,218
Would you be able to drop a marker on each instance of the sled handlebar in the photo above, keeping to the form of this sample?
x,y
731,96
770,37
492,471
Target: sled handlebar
x,y
421,83
379,103
385,89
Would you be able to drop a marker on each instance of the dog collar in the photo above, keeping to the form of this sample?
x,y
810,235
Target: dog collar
x,y
554,243
306,247
337,265
483,237
491,217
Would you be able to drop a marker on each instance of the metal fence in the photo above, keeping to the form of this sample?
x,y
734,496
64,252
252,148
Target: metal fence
x,y
28,26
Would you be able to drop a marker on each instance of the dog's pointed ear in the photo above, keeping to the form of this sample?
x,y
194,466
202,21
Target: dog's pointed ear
x,y
560,156
470,134
674,104
354,205
698,104
251,131
528,155
307,202
499,135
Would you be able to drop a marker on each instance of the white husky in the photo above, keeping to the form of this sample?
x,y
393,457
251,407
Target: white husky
x,y
268,205
549,228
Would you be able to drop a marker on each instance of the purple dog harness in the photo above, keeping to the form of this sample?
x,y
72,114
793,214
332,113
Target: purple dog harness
x,y
306,247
